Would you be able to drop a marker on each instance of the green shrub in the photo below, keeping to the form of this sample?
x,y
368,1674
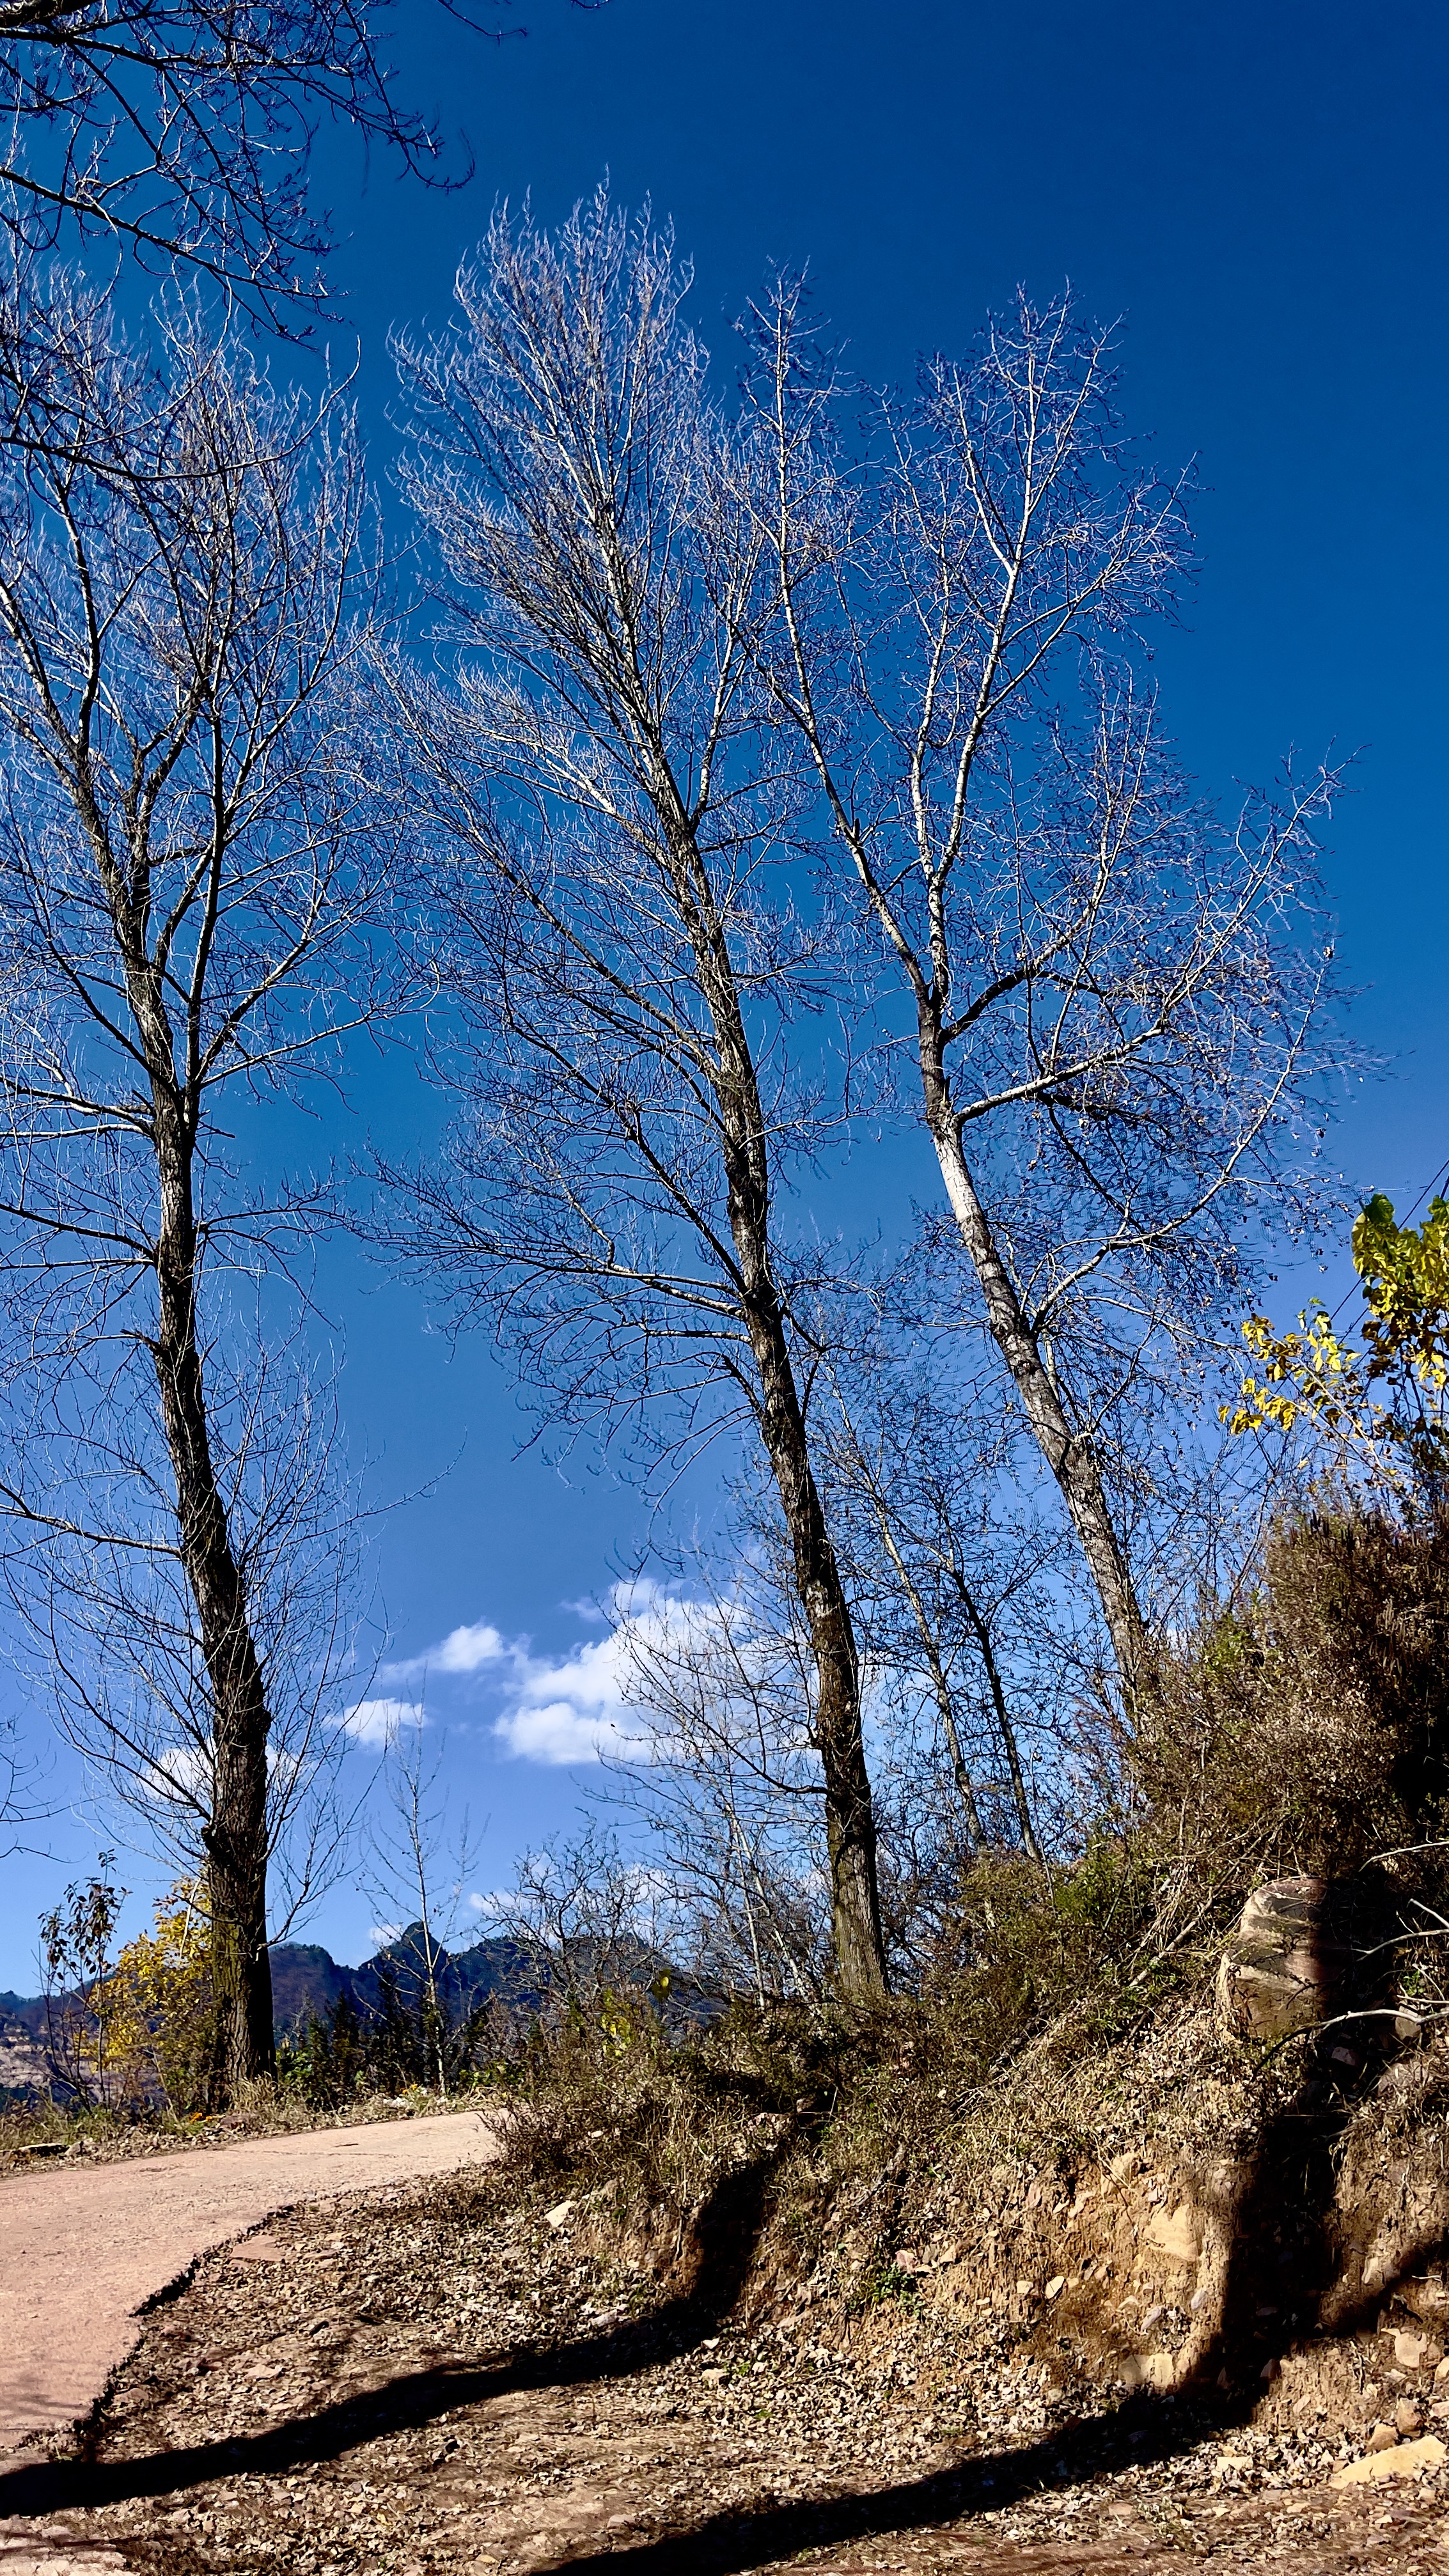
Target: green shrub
x,y
408,2045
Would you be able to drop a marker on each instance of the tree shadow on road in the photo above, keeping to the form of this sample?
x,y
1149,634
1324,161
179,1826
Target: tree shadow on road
x,y
1145,2430
726,2232
1293,2171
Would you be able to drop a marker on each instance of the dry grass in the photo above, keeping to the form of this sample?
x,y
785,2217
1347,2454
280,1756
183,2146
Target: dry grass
x,y
1067,2022
1306,1730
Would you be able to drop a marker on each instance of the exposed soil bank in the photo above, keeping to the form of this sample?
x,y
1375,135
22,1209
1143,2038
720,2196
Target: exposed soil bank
x,y
441,2382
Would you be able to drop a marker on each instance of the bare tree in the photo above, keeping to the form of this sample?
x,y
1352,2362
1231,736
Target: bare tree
x,y
182,129
587,1926
22,1803
922,1495
421,1858
190,892
1114,1003
966,1585
723,1775
608,812
99,1573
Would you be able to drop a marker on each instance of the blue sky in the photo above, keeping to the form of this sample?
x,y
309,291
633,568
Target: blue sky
x,y
1258,192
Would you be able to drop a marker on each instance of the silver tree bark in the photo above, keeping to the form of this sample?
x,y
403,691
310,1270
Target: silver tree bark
x,y
622,926
1117,1004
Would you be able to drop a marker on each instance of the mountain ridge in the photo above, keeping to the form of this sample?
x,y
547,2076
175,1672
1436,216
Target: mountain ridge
x,y
308,1983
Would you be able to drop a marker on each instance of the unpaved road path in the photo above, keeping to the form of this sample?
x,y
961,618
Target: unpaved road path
x,y
82,2250
442,2381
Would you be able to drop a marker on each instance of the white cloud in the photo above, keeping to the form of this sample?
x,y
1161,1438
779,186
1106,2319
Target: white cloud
x,y
555,1709
377,1721
182,1776
468,1650
463,1650
571,1709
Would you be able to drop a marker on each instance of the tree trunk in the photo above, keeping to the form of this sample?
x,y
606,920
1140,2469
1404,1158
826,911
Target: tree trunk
x,y
1071,1458
858,1942
236,1878
982,1634
235,1836
857,1939
940,1683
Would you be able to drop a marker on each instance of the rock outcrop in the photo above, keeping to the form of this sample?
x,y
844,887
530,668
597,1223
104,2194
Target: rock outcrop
x,y
1288,1966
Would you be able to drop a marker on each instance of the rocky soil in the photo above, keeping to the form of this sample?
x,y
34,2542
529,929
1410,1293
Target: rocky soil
x,y
445,2383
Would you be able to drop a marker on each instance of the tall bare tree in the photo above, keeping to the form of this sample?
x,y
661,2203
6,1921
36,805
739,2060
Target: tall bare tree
x,y
721,1774
420,1861
1115,1003
608,811
189,892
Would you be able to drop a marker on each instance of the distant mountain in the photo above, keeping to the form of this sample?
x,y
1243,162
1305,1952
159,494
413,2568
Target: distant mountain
x,y
23,2070
26,2009
307,1980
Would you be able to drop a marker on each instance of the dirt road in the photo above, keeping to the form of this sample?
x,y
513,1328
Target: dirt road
x,y
82,2249
442,2381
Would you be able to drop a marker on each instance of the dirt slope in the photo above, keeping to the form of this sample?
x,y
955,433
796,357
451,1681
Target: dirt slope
x,y
438,2382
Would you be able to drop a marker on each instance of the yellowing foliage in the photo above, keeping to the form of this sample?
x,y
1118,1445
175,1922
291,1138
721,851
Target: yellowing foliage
x,y
1313,1374
157,2002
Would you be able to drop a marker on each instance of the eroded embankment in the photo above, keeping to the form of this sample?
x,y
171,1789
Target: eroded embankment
x,y
1172,2217
448,2382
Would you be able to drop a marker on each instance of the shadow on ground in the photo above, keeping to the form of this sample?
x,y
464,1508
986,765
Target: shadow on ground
x,y
1285,2232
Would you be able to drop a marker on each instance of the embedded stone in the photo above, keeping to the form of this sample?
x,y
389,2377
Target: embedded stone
x,y
1284,1968
1176,2233
1405,2460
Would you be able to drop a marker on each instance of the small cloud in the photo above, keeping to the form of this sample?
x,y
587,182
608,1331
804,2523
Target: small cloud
x,y
467,1650
376,1722
559,1733
463,1650
591,1612
556,1709
182,1776
382,1933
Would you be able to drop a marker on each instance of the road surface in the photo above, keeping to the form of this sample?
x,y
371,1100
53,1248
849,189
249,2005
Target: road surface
x,y
83,2247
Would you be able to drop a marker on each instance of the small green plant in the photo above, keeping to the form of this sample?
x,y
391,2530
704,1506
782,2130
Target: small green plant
x,y
879,2285
408,2045
81,2003
325,2063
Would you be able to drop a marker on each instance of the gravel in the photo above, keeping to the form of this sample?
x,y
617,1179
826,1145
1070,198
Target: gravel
x,y
436,2382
